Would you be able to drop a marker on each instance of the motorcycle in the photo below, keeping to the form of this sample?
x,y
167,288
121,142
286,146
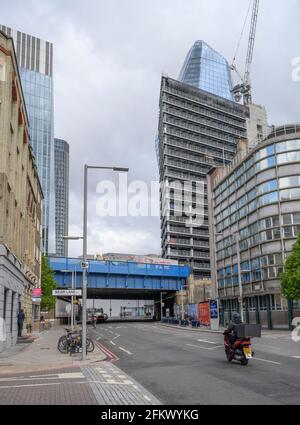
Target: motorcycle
x,y
240,351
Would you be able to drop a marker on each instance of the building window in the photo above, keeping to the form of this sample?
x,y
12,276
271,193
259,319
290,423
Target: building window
x,y
288,157
265,163
5,303
288,194
268,199
288,145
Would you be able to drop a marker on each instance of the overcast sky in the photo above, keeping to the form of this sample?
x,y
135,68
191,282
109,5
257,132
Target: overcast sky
x,y
108,59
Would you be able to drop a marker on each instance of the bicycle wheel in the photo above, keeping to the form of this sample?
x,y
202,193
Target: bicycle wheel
x,y
62,344
90,347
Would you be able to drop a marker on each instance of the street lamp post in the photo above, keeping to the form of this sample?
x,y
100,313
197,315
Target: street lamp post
x,y
72,297
84,259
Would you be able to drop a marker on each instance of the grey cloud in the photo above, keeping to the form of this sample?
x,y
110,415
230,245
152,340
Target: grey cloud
x,y
109,56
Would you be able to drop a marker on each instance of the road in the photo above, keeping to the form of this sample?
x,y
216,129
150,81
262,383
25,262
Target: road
x,y
187,367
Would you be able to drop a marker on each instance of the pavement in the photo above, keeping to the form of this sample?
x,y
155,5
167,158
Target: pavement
x,y
185,366
42,354
38,374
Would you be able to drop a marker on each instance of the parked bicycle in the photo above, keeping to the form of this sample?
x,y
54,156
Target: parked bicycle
x,y
72,342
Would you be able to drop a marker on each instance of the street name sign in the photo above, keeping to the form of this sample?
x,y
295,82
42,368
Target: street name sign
x,y
67,292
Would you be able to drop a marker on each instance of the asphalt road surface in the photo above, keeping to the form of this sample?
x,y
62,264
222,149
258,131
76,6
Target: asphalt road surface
x,y
187,367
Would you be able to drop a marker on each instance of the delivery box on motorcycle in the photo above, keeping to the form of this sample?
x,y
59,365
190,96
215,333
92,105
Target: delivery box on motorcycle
x,y
248,331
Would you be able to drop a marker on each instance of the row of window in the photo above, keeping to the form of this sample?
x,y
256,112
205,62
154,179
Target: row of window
x,y
265,236
267,273
273,197
255,201
264,158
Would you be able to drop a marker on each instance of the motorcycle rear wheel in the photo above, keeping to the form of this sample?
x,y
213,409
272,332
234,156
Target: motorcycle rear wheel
x,y
244,362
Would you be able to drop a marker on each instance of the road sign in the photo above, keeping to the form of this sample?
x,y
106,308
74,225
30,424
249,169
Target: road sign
x,y
85,265
36,300
68,308
67,292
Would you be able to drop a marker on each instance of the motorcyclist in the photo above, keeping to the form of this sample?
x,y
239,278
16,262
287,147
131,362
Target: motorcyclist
x,y
231,331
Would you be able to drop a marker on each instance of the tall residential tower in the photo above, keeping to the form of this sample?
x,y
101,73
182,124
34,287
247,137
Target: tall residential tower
x,y
199,127
35,60
61,172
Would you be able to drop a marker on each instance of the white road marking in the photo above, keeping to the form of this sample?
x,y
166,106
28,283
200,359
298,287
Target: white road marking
x,y
112,343
295,357
75,375
264,360
199,346
206,340
123,349
29,385
117,336
205,348
99,337
147,398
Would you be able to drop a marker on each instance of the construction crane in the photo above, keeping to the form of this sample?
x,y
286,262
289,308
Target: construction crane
x,y
244,89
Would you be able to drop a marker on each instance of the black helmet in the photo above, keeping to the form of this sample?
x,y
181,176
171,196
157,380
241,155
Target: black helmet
x,y
236,317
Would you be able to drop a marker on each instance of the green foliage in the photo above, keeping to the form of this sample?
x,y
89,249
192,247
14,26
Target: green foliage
x,y
48,284
290,279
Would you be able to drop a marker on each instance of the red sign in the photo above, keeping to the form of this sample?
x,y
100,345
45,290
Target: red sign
x,y
37,292
204,313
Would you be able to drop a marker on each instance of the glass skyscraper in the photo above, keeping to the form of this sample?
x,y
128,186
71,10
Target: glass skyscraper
x,y
61,173
35,59
207,70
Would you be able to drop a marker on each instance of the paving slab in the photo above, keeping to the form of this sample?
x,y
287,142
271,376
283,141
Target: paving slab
x,y
43,354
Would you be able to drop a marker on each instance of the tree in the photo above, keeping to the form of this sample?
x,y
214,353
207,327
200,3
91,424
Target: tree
x,y
48,284
290,279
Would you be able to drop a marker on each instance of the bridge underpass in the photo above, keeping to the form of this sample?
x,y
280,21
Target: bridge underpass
x,y
117,280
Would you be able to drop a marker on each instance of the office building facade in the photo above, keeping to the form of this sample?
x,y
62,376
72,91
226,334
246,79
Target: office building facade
x,y
61,179
255,205
35,59
20,204
197,130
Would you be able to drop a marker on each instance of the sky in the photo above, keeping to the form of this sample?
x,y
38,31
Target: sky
x,y
109,56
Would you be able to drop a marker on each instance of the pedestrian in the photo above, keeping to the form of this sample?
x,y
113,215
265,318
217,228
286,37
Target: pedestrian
x,y
21,318
42,323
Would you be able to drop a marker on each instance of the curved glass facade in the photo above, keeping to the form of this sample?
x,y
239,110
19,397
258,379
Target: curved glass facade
x,y
257,208
207,70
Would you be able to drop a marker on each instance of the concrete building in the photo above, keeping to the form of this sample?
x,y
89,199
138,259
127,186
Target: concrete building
x,y
20,202
197,131
61,179
35,60
254,210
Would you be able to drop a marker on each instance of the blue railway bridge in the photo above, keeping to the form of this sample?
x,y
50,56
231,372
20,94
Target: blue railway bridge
x,y
121,280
